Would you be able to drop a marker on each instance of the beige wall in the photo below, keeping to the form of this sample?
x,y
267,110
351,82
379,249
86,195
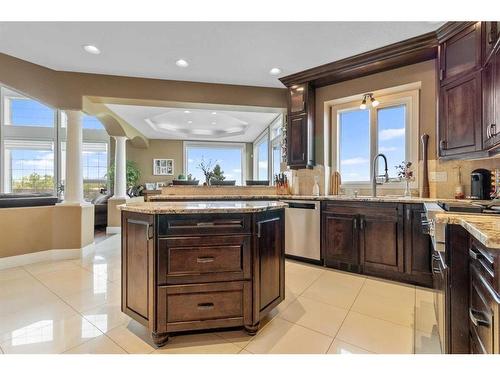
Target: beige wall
x,y
65,90
158,149
32,229
168,149
424,72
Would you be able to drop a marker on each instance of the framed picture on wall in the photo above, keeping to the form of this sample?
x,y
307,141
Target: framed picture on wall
x,y
163,167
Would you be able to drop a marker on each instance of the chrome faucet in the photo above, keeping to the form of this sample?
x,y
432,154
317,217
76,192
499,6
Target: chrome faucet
x,y
374,177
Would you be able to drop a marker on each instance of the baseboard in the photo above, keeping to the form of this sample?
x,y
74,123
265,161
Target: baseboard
x,y
113,230
39,256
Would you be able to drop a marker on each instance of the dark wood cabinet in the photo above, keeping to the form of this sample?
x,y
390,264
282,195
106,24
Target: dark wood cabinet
x,y
460,123
491,31
184,272
491,101
300,126
270,244
460,54
381,240
469,91
340,240
417,246
137,260
376,239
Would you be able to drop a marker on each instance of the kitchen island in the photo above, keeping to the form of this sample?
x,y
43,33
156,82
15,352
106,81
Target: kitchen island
x,y
201,265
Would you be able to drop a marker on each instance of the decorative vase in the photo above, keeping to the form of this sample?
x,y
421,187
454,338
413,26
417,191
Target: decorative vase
x,y
407,189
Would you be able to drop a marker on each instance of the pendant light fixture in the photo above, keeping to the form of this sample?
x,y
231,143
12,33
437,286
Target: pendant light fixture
x,y
374,102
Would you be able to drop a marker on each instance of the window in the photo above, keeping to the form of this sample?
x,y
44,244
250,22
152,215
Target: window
x,y
230,156
354,145
359,134
22,111
276,138
32,159
261,157
95,168
29,167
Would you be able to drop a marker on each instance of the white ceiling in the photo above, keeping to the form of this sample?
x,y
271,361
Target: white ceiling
x,y
204,124
217,52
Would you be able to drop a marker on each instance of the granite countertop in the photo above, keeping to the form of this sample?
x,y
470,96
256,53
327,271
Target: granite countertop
x,y
359,198
485,228
201,207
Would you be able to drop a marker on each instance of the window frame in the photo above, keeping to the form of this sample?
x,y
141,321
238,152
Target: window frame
x,y
409,98
263,137
210,144
55,134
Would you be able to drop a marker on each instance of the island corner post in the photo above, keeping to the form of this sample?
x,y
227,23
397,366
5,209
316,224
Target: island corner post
x,y
204,269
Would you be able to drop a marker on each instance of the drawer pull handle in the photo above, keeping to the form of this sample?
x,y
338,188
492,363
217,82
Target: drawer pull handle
x,y
205,306
205,259
477,318
209,224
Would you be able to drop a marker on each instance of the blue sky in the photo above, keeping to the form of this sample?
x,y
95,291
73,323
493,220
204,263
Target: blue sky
x,y
355,142
229,159
26,112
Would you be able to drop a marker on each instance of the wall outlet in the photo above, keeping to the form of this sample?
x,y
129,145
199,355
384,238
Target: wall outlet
x,y
438,176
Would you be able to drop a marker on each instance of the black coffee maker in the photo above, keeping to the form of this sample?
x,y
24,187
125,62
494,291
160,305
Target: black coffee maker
x,y
480,184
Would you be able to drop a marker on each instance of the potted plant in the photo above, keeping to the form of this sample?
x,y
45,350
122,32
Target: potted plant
x,y
132,173
405,173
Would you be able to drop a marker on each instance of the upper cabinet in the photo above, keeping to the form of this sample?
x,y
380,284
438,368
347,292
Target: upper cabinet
x,y
491,101
460,54
469,90
490,37
300,126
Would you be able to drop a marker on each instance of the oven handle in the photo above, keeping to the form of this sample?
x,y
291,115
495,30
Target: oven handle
x,y
477,318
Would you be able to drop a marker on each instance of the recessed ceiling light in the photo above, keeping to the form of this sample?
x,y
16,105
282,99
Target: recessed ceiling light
x,y
182,63
214,113
190,122
213,123
275,71
187,111
91,49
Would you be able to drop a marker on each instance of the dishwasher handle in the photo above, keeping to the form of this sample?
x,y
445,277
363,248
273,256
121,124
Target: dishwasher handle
x,y
305,206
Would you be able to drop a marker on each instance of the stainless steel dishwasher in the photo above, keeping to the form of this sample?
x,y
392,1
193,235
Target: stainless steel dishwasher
x,y
302,230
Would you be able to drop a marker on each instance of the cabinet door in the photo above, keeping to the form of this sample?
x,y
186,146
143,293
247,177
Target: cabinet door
x,y
417,246
137,266
488,89
490,36
297,141
297,100
460,116
270,252
381,245
495,128
460,54
340,240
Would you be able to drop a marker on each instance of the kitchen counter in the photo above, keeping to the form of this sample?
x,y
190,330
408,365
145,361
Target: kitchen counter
x,y
202,207
388,198
485,228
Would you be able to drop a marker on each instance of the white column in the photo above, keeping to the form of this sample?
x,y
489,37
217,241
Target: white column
x,y
120,183
73,186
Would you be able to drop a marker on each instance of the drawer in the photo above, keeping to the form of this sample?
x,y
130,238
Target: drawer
x,y
202,302
201,259
480,314
203,224
382,210
485,262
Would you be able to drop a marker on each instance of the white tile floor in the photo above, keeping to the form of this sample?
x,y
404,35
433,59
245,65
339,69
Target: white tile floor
x,y
74,307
